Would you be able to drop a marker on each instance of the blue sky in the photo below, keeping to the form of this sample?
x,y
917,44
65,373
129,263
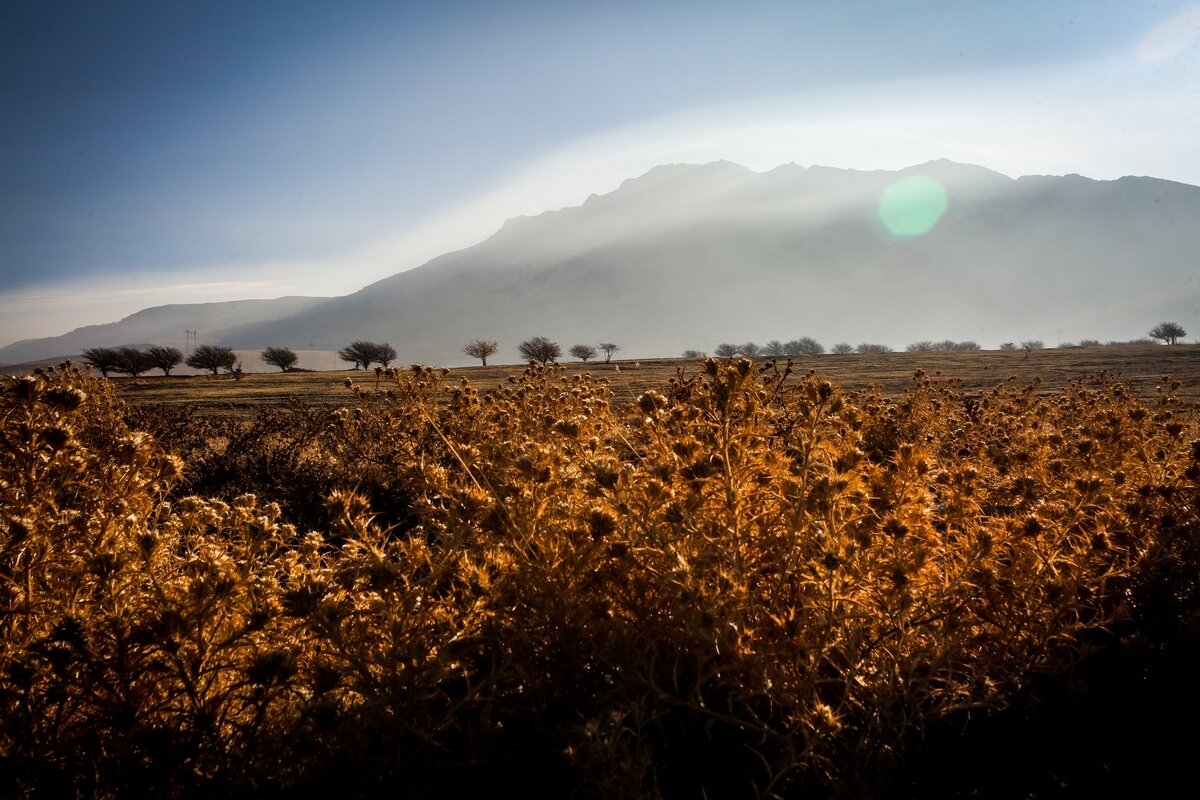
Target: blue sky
x,y
156,152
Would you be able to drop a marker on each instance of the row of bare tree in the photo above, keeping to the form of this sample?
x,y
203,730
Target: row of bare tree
x,y
213,358
1165,332
541,350
134,361
364,354
209,357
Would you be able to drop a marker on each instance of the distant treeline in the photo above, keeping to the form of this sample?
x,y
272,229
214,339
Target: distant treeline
x,y
808,346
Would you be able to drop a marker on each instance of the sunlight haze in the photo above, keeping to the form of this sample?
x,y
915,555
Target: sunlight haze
x,y
220,151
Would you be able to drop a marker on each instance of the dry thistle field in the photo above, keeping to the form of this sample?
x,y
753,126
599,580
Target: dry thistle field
x,y
740,580
1141,367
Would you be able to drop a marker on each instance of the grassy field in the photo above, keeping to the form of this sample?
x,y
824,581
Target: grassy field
x,y
726,590
1143,367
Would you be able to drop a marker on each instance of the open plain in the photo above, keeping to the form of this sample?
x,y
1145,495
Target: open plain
x,y
1143,367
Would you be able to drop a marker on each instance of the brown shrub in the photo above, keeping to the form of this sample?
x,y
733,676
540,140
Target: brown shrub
x,y
745,584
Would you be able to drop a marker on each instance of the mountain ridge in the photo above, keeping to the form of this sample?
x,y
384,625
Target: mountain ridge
x,y
686,256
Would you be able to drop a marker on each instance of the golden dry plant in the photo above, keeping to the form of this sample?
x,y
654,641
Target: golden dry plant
x,y
748,583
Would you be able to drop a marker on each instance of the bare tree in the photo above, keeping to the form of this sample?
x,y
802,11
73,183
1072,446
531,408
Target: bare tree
x,y
1168,332
281,357
164,358
692,354
750,350
726,350
212,357
584,352
539,349
842,348
804,346
1032,344
133,361
774,349
609,348
384,353
360,352
867,347
481,349
944,346
105,359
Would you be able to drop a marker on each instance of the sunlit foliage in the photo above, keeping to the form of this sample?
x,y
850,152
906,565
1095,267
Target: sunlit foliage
x,y
748,583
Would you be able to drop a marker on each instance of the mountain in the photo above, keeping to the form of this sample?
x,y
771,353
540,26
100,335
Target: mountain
x,y
167,325
687,256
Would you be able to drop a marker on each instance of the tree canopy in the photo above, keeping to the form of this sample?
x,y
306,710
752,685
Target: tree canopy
x,y
539,349
584,352
804,346
363,354
385,354
609,348
212,358
481,349
164,358
1168,332
105,359
281,357
133,361
750,350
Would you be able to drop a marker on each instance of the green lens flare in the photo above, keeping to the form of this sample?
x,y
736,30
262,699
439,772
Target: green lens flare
x,y
912,206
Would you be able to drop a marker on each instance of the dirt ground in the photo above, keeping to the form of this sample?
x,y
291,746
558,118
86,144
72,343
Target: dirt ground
x,y
1142,366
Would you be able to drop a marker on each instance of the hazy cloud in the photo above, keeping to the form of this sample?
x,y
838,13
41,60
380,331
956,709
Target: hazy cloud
x,y
1170,37
352,194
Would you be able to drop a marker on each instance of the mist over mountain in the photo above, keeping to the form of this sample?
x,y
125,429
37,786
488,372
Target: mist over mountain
x,y
687,256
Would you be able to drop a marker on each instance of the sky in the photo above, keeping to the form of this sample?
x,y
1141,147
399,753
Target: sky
x,y
155,152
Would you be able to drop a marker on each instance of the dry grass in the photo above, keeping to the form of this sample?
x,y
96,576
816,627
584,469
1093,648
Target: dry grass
x,y
747,583
1140,367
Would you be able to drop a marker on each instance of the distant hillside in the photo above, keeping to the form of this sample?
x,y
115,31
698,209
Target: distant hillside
x,y
688,256
159,325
